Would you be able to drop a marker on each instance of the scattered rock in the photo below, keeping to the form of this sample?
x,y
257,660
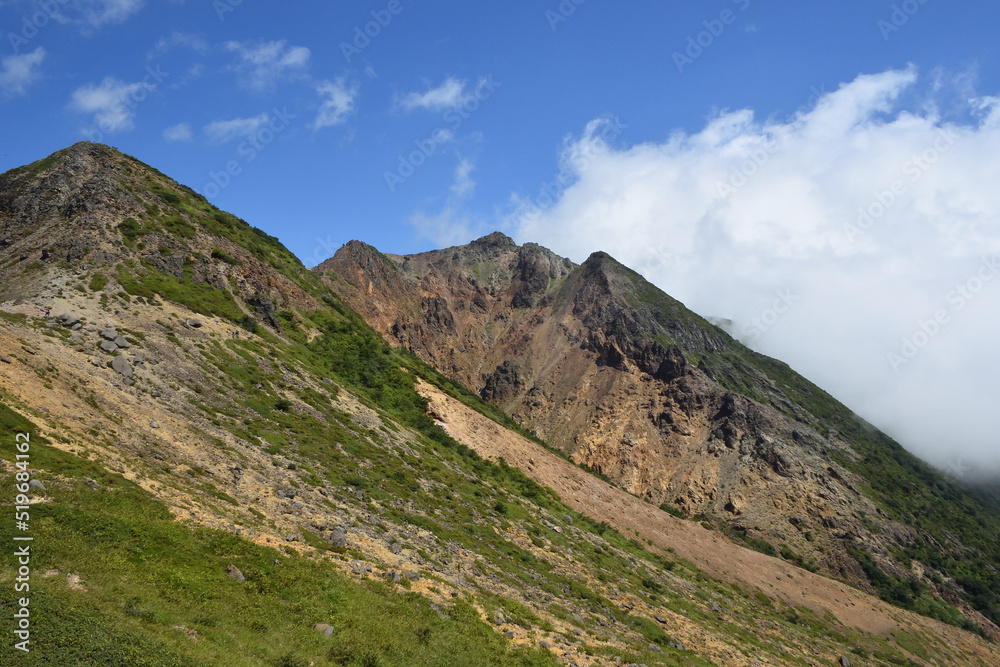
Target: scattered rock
x,y
234,573
154,424
544,644
109,346
4,359
654,648
396,548
714,606
325,628
661,619
498,618
509,634
292,538
109,334
35,485
122,366
392,576
844,662
339,537
92,483
194,323
122,343
412,575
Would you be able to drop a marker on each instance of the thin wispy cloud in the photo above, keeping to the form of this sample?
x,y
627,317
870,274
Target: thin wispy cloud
x,y
18,71
449,95
179,40
338,102
453,224
879,223
112,102
94,14
221,131
179,132
263,66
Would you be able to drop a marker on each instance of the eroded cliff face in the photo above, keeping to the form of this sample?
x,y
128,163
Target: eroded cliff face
x,y
628,382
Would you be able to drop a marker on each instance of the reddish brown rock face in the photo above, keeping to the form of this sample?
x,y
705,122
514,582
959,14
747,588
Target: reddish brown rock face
x,y
626,381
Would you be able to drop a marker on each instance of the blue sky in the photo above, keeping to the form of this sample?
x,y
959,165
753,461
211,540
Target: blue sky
x,y
589,125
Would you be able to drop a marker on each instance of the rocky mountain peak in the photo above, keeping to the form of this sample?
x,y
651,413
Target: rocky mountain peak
x,y
495,240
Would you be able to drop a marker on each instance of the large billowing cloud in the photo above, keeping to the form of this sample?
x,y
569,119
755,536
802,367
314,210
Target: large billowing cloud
x,y
858,240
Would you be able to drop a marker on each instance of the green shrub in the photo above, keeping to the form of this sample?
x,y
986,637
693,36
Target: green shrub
x,y
97,282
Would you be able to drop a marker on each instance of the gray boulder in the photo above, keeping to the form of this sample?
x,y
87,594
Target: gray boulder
x,y
122,343
121,366
109,346
35,485
338,538
325,628
109,334
234,573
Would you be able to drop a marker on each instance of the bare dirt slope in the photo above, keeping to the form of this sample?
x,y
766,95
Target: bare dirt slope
x,y
706,549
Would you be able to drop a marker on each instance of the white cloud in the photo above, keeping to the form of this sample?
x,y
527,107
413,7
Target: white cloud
x,y
179,132
449,95
17,71
869,218
338,102
112,102
266,64
221,131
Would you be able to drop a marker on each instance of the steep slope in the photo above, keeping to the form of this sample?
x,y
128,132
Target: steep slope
x,y
622,378
284,497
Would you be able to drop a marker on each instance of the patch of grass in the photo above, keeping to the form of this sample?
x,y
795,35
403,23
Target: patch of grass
x,y
199,297
147,574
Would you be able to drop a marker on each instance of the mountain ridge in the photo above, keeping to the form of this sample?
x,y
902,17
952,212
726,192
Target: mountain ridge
x,y
237,469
